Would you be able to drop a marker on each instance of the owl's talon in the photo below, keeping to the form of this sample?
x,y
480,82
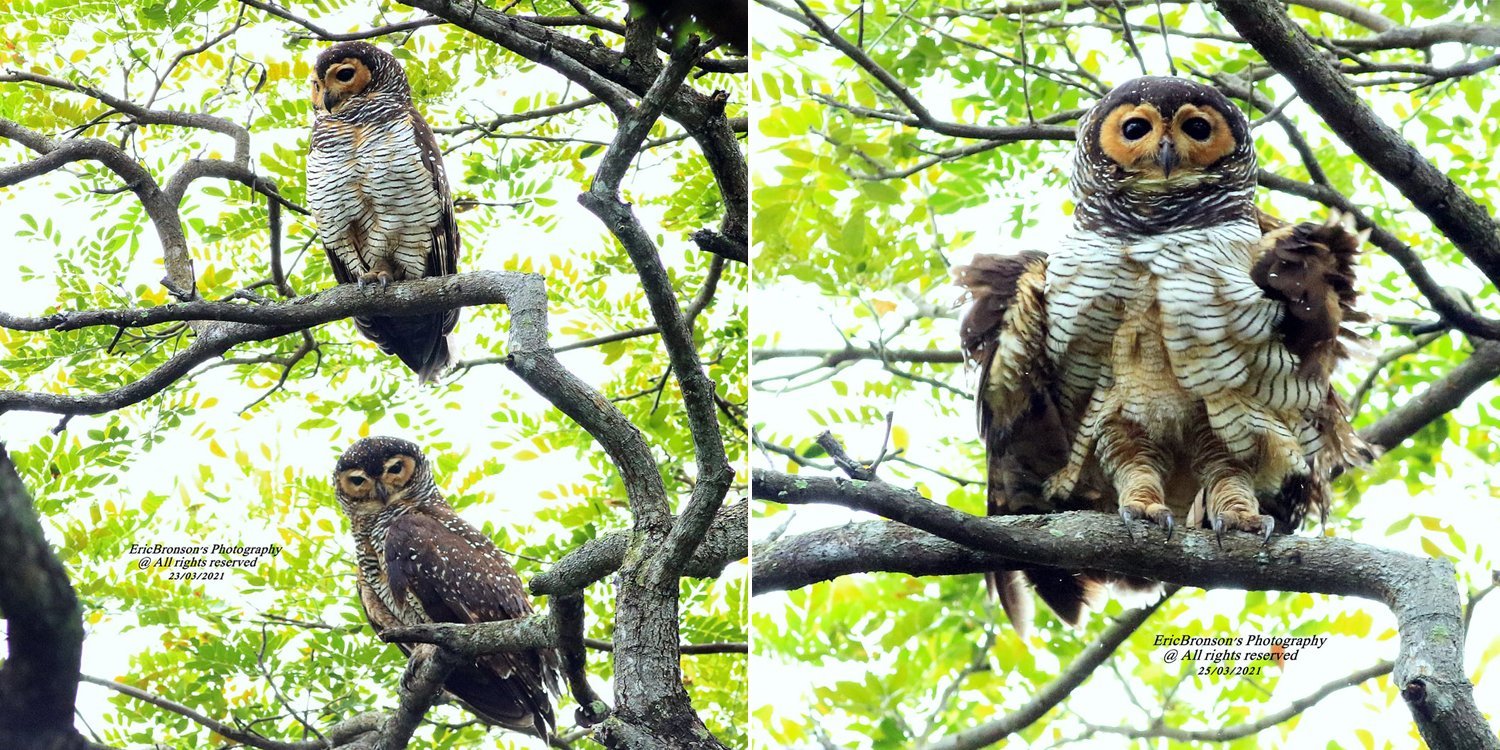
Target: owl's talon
x,y
1217,524
1129,518
1269,524
1169,525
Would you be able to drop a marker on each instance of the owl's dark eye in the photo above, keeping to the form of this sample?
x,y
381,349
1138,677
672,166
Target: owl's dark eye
x,y
357,481
1135,128
393,469
1198,129
346,75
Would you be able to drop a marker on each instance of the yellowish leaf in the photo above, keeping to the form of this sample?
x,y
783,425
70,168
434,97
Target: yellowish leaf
x,y
899,438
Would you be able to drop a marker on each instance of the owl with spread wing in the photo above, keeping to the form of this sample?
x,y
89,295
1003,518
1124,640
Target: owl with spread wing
x,y
1170,360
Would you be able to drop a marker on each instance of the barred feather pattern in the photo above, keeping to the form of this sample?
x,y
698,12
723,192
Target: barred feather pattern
x,y
1174,363
377,189
1167,329
373,195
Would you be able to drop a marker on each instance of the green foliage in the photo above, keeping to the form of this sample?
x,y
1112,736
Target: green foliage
x,y
233,455
858,220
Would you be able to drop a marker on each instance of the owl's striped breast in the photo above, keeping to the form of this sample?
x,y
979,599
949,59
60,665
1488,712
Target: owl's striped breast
x,y
372,194
1165,328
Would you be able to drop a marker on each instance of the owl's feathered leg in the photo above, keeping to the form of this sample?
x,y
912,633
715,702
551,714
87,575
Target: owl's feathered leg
x,y
1136,464
1229,501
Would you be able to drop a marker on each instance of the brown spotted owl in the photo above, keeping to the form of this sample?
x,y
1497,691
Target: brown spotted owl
x,y
376,187
420,563
1170,359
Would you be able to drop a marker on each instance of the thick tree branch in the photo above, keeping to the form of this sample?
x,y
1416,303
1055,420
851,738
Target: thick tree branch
x,y
239,323
426,669
415,297
793,562
470,641
727,540
714,472
43,624
566,620
1420,592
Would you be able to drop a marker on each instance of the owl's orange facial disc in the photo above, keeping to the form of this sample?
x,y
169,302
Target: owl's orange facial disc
x,y
356,485
397,472
1162,150
343,79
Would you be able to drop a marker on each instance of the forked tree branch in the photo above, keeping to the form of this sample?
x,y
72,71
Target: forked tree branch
x,y
614,77
648,675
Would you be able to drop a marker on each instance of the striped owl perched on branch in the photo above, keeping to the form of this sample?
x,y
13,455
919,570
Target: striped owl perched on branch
x,y
420,563
376,187
1170,361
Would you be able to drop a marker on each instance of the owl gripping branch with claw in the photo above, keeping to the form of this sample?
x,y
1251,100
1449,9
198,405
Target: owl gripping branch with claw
x,y
1170,360
420,563
376,187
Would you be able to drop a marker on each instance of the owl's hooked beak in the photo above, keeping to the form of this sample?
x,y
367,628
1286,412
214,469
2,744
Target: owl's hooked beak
x,y
1166,158
330,100
381,493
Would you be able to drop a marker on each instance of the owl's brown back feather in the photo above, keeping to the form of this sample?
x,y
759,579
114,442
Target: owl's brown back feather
x,y
458,575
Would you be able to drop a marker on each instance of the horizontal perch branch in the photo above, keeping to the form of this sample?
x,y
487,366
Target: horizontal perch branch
x,y
1420,592
418,297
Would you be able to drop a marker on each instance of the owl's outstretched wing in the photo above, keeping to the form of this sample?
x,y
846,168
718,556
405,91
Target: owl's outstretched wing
x,y
1004,334
457,575
1310,268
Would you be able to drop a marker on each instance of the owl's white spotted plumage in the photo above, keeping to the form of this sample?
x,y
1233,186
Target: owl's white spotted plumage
x,y
1170,359
377,191
420,563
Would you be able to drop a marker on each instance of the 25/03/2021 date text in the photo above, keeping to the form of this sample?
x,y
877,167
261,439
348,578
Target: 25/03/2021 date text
x,y
1216,670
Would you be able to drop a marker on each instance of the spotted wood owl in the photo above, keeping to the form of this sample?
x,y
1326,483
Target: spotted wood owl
x,y
1170,359
376,187
420,563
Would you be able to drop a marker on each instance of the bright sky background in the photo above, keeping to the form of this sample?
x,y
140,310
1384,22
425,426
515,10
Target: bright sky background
x,y
794,315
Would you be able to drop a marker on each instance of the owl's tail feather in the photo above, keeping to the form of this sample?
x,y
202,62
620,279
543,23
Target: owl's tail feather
x,y
1009,586
1067,593
419,341
503,701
